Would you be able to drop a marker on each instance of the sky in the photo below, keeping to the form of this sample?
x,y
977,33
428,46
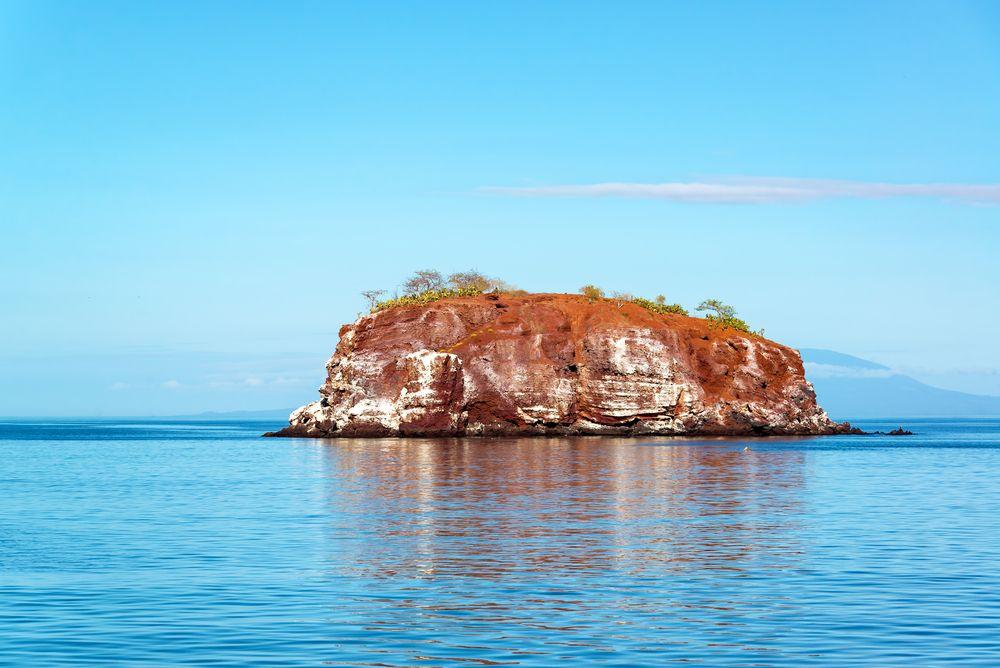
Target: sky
x,y
192,195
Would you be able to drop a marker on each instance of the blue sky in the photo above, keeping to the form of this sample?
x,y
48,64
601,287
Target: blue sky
x,y
193,194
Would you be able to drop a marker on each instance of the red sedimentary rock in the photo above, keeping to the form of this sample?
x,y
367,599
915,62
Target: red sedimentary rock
x,y
555,364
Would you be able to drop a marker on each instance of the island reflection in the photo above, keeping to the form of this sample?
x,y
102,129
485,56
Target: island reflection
x,y
495,508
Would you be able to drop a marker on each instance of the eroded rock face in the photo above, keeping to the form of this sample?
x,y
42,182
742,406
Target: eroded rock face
x,y
555,364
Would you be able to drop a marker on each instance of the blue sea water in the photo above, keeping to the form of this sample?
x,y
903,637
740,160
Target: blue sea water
x,y
169,543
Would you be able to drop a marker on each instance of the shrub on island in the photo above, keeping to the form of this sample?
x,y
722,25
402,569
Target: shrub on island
x,y
660,306
592,292
426,297
428,285
724,316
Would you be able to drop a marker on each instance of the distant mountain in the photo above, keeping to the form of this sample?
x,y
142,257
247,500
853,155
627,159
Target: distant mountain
x,y
832,358
849,387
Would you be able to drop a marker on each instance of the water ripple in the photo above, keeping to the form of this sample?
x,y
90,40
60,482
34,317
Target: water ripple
x,y
136,543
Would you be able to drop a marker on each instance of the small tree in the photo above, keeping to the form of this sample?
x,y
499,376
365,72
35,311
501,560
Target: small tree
x,y
661,300
621,298
724,315
471,280
423,280
592,292
372,297
720,310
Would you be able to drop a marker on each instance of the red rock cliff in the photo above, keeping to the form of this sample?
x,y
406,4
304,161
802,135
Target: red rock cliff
x,y
555,364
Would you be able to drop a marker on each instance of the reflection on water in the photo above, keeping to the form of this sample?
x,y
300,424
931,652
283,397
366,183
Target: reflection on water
x,y
503,508
552,550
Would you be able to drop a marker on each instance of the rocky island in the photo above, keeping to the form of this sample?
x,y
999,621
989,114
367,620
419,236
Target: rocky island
x,y
496,363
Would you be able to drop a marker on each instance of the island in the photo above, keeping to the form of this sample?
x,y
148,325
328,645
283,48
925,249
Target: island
x,y
471,362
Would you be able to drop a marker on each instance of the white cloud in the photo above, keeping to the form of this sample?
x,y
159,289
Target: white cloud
x,y
764,190
951,371
170,384
119,386
264,379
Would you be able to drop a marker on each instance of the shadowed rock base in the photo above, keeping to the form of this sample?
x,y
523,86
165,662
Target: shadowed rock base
x,y
558,365
297,431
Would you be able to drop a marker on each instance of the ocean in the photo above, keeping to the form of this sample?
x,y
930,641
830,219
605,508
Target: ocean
x,y
158,543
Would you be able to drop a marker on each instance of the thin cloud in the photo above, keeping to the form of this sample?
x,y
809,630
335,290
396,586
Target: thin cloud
x,y
817,370
764,191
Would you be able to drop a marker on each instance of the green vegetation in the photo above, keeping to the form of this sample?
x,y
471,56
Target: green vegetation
x,y
425,297
427,285
594,293
724,316
660,305
472,279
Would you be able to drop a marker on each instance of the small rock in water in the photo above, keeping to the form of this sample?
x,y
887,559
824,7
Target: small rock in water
x,y
900,432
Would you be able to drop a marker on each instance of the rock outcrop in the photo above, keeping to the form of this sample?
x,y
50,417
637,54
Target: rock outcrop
x,y
555,364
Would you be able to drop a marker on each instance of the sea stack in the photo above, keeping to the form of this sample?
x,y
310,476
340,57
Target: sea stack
x,y
556,364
